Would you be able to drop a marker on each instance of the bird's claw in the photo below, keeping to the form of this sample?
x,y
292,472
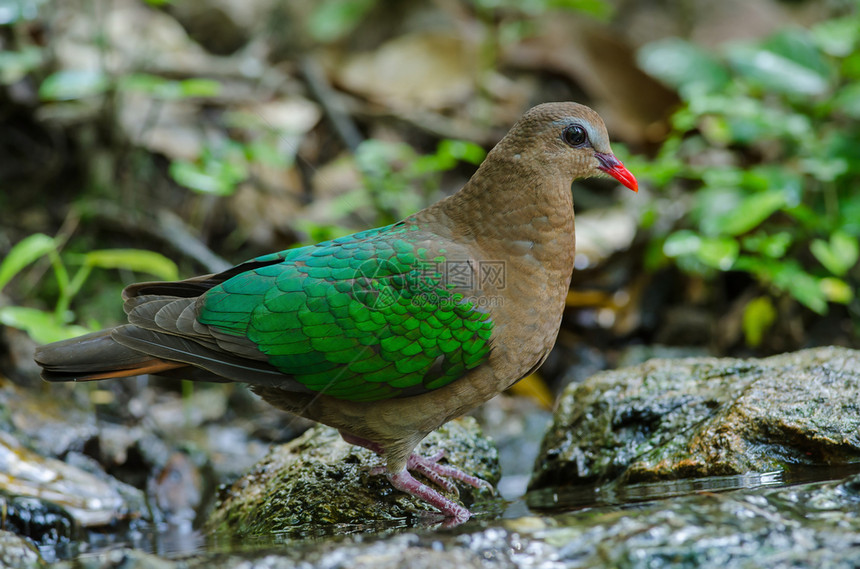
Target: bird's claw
x,y
440,474
405,482
429,467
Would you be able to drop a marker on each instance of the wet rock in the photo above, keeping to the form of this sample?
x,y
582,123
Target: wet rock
x,y
815,525
51,422
320,483
88,499
46,499
811,526
697,417
18,553
37,522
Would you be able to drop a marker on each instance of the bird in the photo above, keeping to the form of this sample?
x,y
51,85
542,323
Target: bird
x,y
388,333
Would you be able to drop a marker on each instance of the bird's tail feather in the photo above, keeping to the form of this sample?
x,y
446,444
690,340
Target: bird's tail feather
x,y
128,350
96,356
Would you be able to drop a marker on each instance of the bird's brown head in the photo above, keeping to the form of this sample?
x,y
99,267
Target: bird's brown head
x,y
566,137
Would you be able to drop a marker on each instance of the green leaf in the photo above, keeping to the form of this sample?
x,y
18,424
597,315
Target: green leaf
x,y
825,168
599,9
797,45
682,65
759,315
683,242
212,176
718,252
715,252
775,177
23,253
196,87
804,287
847,100
712,203
335,19
462,150
72,84
267,152
168,89
787,275
141,82
838,255
838,37
774,246
138,260
660,171
448,153
788,63
43,327
808,292
836,290
15,65
750,213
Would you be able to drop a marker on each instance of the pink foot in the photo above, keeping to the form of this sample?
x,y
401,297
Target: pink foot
x,y
439,474
405,482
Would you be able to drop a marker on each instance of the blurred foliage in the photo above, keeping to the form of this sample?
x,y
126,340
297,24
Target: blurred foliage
x,y
756,175
391,172
768,136
395,179
57,324
333,20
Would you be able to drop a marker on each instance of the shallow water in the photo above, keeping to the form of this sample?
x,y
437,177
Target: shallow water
x,y
555,500
171,541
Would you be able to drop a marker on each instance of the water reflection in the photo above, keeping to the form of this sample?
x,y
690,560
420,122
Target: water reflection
x,y
617,493
173,541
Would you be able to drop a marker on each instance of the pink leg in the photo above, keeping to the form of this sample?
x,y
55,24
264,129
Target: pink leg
x,y
358,441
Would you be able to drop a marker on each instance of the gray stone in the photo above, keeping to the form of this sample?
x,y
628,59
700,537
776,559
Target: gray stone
x,y
699,417
811,526
17,552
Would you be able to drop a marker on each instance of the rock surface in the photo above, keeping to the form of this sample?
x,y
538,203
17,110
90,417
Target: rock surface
x,y
313,503
318,481
17,552
698,417
816,525
47,500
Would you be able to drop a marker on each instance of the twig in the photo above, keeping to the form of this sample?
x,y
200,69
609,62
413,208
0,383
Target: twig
x,y
335,110
166,227
173,230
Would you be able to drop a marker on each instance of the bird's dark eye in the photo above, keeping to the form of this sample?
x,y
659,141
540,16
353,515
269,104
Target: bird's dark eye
x,y
574,135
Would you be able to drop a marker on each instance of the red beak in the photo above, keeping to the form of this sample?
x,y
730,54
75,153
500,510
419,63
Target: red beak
x,y
613,166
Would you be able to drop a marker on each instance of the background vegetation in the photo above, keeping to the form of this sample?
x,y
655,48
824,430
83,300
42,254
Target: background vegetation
x,y
154,140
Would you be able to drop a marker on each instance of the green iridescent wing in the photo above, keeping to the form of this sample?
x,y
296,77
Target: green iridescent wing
x,y
361,318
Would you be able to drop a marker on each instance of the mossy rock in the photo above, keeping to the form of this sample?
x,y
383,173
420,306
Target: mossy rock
x,y
700,417
318,481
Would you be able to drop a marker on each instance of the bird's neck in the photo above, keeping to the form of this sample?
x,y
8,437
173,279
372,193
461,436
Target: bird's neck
x,y
509,210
